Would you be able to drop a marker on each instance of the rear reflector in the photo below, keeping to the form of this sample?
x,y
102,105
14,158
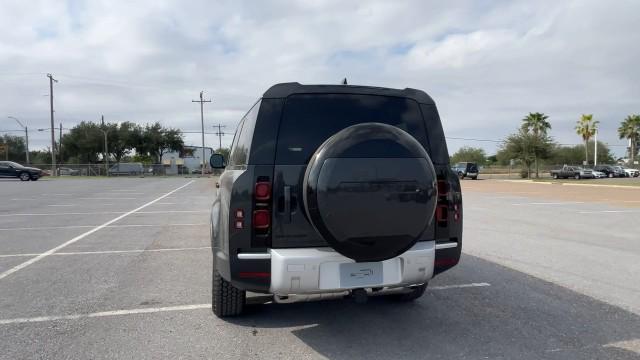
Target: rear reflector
x,y
445,262
239,214
442,212
262,191
261,219
239,224
251,274
443,188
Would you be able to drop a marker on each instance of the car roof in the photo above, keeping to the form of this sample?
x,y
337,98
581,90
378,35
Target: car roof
x,y
283,90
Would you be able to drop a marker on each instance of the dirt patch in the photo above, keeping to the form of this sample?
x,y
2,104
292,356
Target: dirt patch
x,y
618,196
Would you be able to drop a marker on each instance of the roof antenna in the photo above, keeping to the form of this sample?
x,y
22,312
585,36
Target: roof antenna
x,y
344,81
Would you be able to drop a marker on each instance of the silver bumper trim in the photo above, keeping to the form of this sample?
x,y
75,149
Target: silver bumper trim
x,y
254,256
446,245
317,270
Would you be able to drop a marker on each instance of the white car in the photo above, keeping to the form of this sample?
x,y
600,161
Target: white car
x,y
630,172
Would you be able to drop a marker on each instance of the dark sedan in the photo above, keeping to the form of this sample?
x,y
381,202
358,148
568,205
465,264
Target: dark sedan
x,y
24,173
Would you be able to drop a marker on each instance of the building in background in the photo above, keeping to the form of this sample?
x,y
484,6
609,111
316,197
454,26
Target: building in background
x,y
187,161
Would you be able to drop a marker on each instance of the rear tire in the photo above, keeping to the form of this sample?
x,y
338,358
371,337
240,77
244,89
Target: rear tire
x,y
415,293
226,300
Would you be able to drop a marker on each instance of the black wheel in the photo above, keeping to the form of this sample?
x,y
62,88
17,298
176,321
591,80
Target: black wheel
x,y
461,175
474,178
555,176
226,300
25,176
577,176
414,293
34,178
610,175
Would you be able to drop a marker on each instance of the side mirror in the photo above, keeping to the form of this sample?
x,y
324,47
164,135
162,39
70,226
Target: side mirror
x,y
217,161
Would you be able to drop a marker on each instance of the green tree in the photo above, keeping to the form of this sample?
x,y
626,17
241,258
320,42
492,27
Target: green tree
x,y
17,148
522,146
122,139
561,155
537,125
84,142
155,140
630,129
469,154
586,127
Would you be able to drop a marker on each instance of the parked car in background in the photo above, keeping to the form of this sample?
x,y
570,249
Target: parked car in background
x,y
68,171
575,172
466,169
126,169
610,170
632,172
598,174
628,171
10,169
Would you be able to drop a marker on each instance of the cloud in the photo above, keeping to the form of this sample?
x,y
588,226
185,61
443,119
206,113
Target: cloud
x,y
486,64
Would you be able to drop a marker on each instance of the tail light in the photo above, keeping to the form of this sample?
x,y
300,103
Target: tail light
x,y
261,219
262,191
445,205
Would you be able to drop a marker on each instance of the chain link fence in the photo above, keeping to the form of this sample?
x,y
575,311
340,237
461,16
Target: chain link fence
x,y
124,169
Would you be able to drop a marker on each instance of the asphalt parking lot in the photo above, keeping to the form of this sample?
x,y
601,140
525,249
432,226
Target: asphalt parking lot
x,y
121,268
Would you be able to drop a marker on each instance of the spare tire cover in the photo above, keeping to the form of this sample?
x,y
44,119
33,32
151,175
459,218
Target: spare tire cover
x,y
370,191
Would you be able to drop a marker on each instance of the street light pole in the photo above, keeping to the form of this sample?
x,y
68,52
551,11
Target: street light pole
x,y
26,136
53,127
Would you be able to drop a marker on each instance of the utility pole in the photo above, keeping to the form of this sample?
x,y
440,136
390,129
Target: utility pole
x,y
53,127
595,152
202,101
60,144
106,150
219,134
26,136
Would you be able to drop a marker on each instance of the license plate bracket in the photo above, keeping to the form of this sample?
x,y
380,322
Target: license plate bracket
x,y
353,275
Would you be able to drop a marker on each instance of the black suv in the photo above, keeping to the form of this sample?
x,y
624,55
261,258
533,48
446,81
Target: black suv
x,y
12,169
610,171
334,190
466,169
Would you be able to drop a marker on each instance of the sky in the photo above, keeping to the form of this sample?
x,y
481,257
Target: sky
x,y
486,63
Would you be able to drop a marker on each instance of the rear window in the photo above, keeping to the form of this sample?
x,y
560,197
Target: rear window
x,y
310,119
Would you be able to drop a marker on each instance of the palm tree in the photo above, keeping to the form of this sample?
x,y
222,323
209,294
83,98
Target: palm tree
x,y
537,124
586,127
630,129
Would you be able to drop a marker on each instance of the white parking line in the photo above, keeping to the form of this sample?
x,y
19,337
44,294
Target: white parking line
x,y
82,236
61,205
106,213
608,211
105,313
90,226
550,203
109,252
163,309
459,286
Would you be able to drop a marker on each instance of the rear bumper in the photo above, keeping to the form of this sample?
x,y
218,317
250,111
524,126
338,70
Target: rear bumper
x,y
317,270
